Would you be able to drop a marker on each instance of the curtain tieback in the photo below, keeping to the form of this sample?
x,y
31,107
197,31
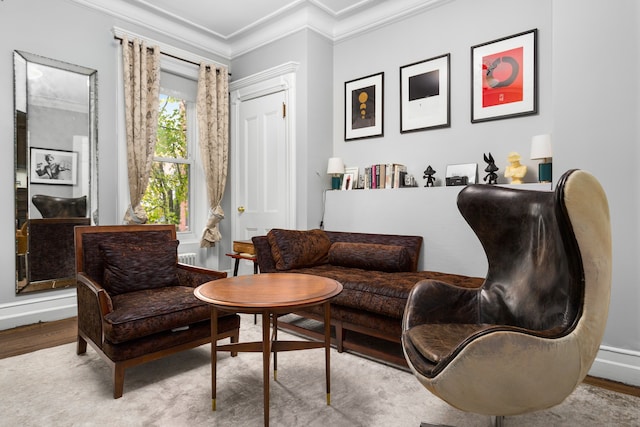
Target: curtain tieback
x,y
135,216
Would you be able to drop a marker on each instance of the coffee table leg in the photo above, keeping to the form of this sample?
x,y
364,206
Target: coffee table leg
x,y
266,353
214,354
327,348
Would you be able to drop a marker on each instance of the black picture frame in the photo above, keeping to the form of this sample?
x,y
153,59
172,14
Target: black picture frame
x,y
425,101
504,78
364,107
59,167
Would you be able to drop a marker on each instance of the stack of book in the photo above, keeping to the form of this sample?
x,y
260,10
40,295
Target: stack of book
x,y
389,175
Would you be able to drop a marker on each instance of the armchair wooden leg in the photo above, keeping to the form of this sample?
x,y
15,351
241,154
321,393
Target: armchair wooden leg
x,y
81,347
118,381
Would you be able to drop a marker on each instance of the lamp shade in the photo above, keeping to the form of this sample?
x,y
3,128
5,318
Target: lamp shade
x,y
541,147
335,166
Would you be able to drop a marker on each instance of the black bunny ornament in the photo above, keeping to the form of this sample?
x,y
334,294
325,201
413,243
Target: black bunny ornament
x,y
491,170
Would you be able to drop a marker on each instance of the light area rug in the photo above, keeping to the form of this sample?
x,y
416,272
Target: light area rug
x,y
56,387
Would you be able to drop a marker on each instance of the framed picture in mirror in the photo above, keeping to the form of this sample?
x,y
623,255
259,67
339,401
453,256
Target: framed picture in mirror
x,y
53,166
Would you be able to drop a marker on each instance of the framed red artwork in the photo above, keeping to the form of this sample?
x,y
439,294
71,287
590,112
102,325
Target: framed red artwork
x,y
504,81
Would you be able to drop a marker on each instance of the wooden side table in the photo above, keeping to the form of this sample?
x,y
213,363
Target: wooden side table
x,y
243,249
246,256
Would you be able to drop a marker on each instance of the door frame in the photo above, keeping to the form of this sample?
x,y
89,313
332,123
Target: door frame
x,y
281,78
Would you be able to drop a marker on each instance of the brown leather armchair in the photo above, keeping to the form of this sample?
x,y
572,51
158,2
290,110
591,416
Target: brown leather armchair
x,y
136,302
527,337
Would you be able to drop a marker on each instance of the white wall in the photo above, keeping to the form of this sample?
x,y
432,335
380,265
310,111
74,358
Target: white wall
x,y
595,108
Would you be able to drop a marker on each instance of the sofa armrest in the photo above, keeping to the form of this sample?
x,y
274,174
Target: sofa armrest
x,y
433,301
192,276
263,254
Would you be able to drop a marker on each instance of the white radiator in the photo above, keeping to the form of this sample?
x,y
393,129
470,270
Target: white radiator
x,y
187,258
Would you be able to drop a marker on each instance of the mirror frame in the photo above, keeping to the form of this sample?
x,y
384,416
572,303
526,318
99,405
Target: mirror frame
x,y
22,165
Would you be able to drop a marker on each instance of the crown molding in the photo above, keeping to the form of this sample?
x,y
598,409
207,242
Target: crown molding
x,y
309,14
381,15
188,34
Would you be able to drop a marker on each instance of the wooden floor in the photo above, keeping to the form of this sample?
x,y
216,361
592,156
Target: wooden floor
x,y
26,339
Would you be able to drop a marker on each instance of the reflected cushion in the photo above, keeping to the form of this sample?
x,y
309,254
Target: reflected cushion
x,y
133,267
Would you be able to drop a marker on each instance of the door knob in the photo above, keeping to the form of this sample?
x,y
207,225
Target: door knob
x,y
240,209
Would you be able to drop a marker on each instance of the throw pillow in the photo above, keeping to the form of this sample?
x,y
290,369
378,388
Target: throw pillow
x,y
298,249
370,256
133,267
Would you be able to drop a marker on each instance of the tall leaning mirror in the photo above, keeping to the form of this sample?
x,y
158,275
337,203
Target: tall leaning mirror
x,y
55,167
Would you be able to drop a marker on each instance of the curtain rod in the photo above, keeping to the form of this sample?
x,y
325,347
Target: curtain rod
x,y
172,56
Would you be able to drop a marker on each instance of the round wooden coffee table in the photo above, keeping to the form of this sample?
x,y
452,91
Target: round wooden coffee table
x,y
269,294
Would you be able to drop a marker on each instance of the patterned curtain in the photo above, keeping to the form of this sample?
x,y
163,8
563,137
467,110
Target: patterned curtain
x,y
141,90
213,125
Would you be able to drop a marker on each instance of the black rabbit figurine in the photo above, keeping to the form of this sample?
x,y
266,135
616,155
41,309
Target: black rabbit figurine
x,y
491,169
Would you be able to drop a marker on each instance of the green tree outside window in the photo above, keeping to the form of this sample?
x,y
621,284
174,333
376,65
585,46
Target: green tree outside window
x,y
166,200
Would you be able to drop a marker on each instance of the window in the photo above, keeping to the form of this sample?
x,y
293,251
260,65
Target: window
x,y
166,200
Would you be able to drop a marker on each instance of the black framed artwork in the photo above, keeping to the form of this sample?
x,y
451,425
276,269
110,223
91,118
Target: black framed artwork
x,y
425,94
504,78
364,115
53,166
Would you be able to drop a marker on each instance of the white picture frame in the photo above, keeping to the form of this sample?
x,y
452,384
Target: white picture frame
x,y
350,178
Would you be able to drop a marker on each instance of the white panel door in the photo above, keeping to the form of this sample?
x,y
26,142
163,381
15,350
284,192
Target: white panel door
x,y
261,195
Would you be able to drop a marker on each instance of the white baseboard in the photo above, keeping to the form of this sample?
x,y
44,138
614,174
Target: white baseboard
x,y
617,365
51,306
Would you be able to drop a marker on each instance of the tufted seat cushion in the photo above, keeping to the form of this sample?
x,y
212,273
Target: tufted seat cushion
x,y
146,312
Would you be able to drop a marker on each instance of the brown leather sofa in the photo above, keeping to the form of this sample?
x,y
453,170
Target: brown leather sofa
x,y
377,272
136,302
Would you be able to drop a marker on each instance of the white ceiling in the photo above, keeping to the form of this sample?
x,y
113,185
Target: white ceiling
x,y
230,28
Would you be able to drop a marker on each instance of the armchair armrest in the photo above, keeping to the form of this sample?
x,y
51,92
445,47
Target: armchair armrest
x,y
102,297
433,301
193,276
93,304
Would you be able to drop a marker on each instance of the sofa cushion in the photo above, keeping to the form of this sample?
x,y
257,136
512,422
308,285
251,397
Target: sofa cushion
x,y
370,256
133,267
298,249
